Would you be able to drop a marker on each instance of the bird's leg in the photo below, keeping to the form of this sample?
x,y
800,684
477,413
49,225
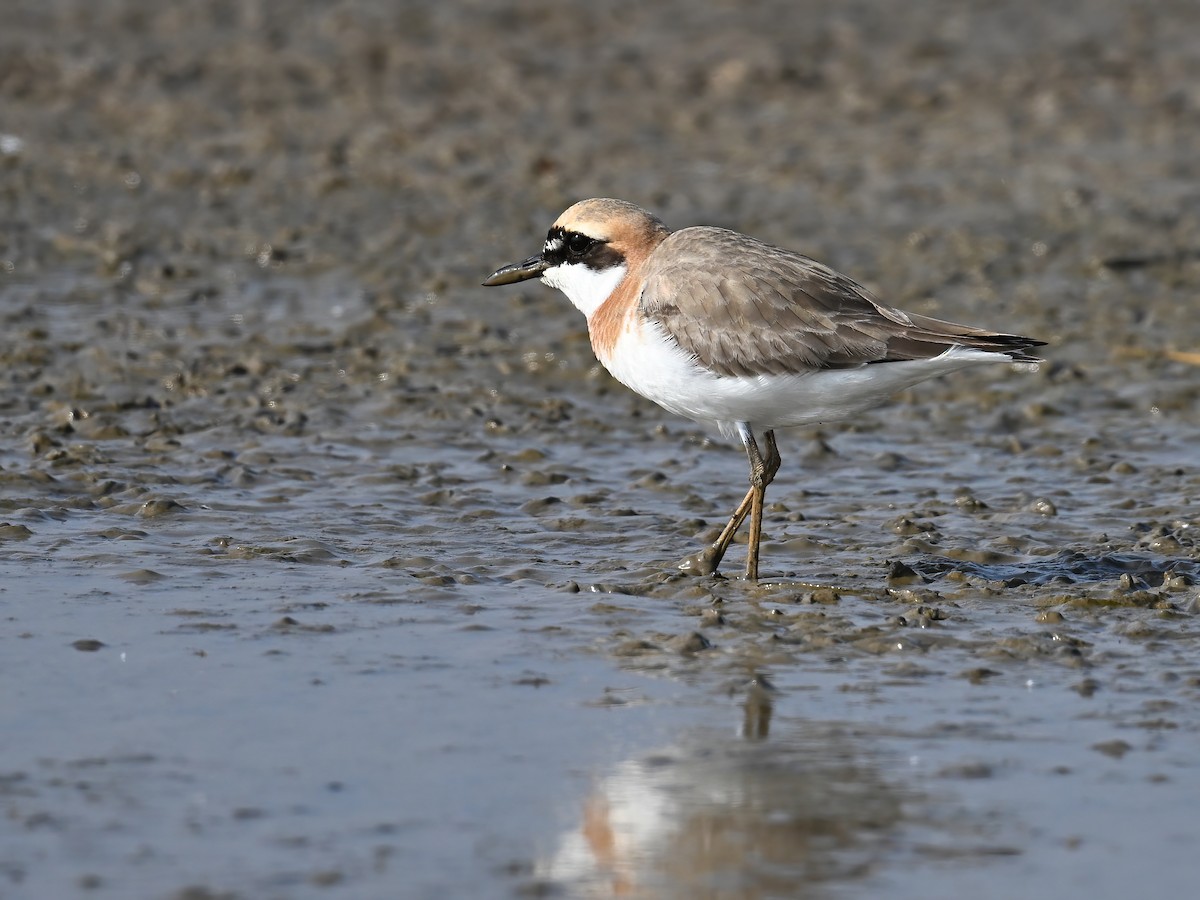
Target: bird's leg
x,y
721,544
706,561
762,473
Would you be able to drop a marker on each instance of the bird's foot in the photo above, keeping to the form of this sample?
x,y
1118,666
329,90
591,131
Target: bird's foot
x,y
703,563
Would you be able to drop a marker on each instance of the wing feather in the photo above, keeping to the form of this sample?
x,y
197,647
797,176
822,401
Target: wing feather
x,y
742,307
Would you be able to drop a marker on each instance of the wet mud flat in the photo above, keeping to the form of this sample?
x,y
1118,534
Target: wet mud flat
x,y
325,572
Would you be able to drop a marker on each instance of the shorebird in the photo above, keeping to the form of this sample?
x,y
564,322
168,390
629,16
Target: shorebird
x,y
729,331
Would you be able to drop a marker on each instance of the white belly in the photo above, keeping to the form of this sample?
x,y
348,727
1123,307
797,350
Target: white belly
x,y
646,360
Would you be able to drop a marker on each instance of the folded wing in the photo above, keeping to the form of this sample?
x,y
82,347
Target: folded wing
x,y
742,307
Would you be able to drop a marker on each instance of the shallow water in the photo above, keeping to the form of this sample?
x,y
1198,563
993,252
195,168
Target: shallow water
x,y
327,572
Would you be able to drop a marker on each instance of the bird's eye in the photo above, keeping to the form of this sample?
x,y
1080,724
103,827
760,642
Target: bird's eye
x,y
579,244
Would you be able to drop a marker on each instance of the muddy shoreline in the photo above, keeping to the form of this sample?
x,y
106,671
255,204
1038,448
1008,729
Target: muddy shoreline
x,y
327,570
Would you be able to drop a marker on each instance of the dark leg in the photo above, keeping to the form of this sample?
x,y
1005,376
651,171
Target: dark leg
x,y
762,472
706,561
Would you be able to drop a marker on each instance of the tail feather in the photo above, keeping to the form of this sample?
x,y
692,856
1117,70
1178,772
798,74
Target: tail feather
x,y
931,337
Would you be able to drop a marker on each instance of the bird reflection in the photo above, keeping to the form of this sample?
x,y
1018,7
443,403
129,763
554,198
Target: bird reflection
x,y
756,710
716,816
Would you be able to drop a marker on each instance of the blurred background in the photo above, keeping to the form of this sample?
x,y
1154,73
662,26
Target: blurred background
x,y
327,572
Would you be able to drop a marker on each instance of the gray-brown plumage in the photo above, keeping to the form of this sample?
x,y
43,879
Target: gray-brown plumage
x,y
696,320
743,307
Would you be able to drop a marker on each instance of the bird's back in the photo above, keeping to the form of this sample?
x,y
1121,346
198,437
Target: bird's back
x,y
742,307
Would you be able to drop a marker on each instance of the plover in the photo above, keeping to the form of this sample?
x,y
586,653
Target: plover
x,y
727,330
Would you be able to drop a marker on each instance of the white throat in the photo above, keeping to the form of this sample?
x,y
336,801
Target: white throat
x,y
585,288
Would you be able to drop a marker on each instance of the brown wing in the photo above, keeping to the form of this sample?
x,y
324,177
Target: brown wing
x,y
742,307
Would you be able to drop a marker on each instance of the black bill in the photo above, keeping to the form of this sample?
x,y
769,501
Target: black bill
x,y
522,271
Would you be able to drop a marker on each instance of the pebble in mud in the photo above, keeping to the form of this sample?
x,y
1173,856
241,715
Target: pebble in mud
x,y
689,644
821,597
979,675
142,576
899,573
152,509
1049,617
289,624
1087,687
1115,748
1044,507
